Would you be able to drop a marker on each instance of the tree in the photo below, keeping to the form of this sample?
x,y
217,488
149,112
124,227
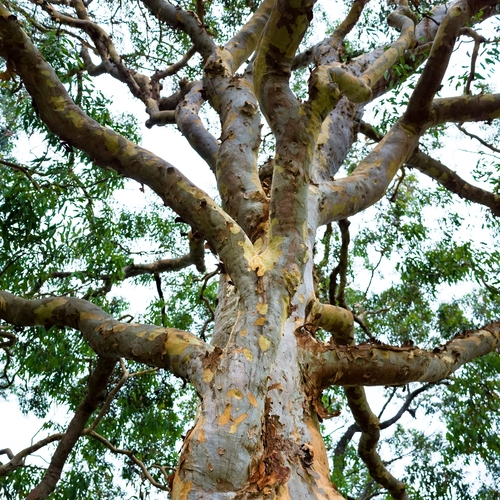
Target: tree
x,y
294,336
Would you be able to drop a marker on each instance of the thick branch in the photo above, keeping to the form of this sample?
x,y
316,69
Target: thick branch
x,y
359,89
419,105
342,198
272,65
96,385
175,350
352,429
237,176
336,320
442,174
111,150
368,364
466,108
241,46
192,128
352,18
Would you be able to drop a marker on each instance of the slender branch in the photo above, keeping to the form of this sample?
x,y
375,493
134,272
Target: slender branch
x,y
478,40
477,138
17,460
196,257
96,385
185,20
132,457
453,182
162,298
173,68
24,170
337,296
202,297
111,395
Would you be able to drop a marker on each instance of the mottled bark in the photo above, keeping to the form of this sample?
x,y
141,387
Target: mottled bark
x,y
257,433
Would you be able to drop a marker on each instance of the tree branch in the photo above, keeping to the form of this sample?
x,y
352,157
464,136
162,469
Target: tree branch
x,y
477,138
17,460
442,174
466,108
342,198
241,46
132,457
185,20
180,352
419,105
370,435
111,150
453,182
354,428
378,364
196,257
96,385
192,128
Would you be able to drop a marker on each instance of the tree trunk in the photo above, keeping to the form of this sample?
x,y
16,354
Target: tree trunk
x,y
255,436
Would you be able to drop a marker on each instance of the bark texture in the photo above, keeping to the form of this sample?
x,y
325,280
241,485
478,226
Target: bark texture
x,y
260,378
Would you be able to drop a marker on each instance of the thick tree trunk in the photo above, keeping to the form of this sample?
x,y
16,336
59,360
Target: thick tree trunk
x,y
255,436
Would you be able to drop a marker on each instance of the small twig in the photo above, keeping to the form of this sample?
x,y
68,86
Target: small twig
x,y
401,178
132,457
389,399
207,302
337,297
477,138
105,407
478,40
24,170
160,295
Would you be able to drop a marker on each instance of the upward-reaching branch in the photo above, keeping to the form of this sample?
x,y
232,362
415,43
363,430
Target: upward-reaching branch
x,y
111,150
96,386
420,102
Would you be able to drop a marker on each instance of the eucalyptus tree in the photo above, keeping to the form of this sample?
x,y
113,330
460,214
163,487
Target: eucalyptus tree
x,y
317,123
